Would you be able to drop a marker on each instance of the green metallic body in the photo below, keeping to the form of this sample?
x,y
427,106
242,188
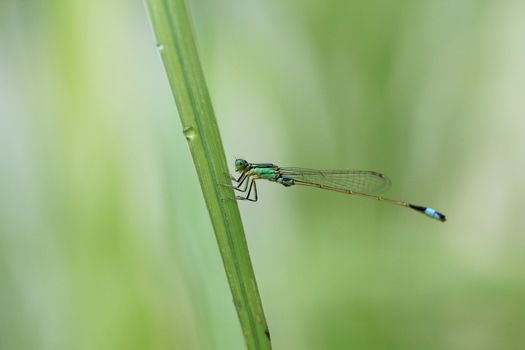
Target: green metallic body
x,y
265,173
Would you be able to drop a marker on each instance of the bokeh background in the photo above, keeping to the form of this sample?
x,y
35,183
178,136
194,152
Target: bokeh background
x,y
105,242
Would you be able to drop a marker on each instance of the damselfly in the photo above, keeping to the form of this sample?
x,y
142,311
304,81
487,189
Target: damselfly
x,y
362,183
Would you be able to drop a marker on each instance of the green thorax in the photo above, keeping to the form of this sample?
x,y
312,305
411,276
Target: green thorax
x,y
265,173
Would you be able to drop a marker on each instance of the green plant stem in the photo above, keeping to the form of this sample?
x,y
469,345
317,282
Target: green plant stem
x,y
175,42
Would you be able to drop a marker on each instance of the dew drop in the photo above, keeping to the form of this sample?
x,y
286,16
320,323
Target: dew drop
x,y
160,47
189,133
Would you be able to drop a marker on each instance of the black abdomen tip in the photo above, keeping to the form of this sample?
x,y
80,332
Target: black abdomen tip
x,y
434,214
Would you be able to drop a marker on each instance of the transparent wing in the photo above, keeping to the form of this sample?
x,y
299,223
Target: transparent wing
x,y
363,181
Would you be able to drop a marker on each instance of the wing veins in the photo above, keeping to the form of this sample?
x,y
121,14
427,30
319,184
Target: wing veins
x,y
356,180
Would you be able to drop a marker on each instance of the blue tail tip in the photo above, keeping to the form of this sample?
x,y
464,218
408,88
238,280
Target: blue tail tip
x,y
430,212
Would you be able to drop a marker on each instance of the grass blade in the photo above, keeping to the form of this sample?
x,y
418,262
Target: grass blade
x,y
174,34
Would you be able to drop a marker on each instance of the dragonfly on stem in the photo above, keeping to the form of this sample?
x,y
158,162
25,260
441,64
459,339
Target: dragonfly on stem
x,y
361,183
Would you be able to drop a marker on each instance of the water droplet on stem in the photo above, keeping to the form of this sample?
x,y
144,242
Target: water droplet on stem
x,y
189,133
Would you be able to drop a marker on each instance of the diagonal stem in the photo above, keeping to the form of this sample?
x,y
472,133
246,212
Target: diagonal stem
x,y
174,35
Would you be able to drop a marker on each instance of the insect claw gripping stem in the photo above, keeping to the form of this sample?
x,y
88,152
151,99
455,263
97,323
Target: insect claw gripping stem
x,y
245,199
228,198
227,185
238,186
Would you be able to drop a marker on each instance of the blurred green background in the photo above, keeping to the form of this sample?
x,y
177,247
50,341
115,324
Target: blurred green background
x,y
105,242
